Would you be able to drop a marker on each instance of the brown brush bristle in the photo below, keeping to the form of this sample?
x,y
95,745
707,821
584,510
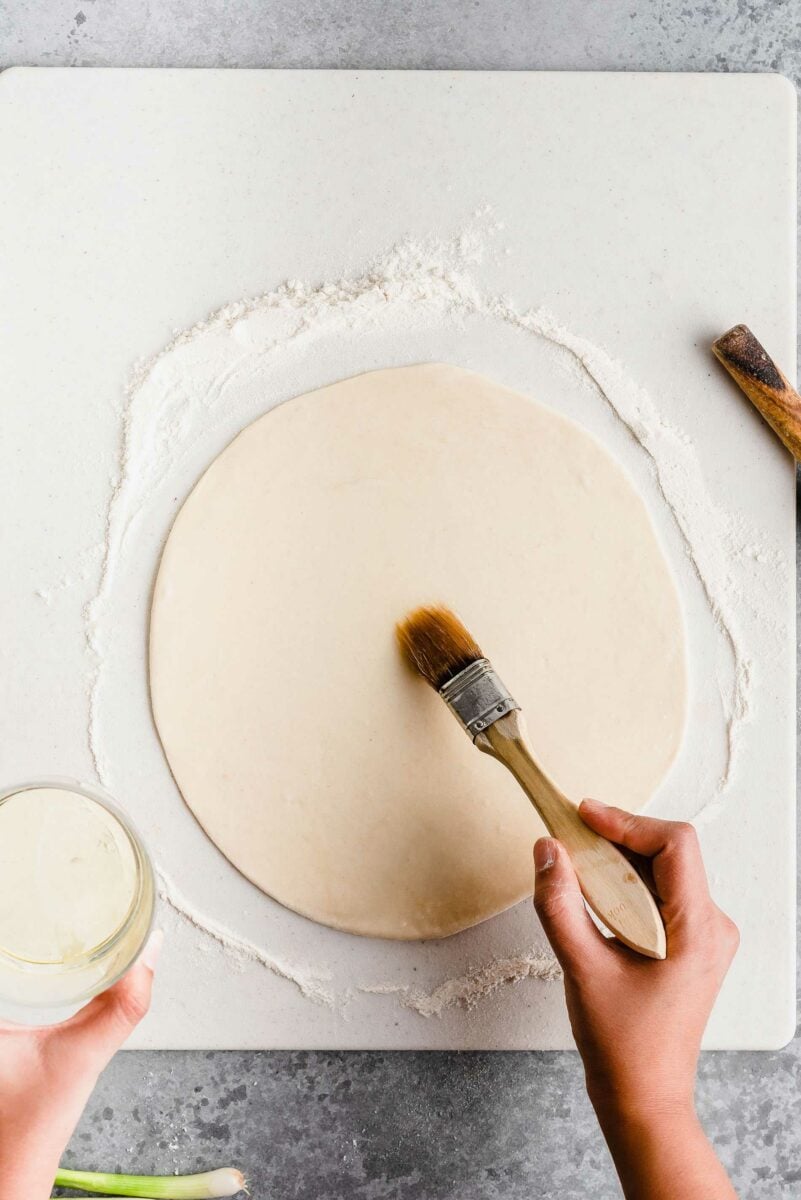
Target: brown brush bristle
x,y
436,644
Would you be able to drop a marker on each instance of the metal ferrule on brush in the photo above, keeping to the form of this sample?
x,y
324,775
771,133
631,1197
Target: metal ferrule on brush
x,y
477,697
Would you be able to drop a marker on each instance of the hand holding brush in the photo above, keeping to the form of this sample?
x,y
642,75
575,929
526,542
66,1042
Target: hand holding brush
x,y
439,646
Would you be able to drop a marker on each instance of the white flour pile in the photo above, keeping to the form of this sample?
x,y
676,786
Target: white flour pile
x,y
245,354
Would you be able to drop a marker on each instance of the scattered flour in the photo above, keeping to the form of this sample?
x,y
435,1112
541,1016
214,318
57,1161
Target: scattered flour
x,y
85,564
416,285
467,990
238,949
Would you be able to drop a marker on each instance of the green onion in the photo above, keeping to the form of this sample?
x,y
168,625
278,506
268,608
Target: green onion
x,y
225,1182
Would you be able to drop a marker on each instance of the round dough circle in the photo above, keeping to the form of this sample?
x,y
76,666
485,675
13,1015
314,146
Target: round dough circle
x,y
329,774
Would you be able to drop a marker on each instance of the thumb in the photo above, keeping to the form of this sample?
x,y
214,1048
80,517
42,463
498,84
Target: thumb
x,y
100,1028
560,906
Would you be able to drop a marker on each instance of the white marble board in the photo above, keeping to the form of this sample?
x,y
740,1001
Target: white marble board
x,y
648,213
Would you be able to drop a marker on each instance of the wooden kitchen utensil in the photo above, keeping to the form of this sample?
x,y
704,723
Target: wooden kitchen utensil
x,y
438,645
750,365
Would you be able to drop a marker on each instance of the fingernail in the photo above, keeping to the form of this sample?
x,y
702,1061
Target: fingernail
x,y
588,803
544,854
150,955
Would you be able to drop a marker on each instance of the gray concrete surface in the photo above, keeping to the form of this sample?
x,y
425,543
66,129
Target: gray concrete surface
x,y
413,1126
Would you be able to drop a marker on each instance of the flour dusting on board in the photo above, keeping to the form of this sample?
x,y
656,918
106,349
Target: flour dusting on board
x,y
182,395
312,986
467,990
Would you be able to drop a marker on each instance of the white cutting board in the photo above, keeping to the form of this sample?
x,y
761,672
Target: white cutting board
x,y
648,213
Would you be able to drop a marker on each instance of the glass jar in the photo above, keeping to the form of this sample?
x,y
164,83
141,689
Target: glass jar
x,y
77,896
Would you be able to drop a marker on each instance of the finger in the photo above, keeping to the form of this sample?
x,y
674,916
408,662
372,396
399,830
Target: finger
x,y
560,906
100,1028
676,862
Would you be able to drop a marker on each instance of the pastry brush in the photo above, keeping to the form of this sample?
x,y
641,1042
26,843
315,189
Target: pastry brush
x,y
437,644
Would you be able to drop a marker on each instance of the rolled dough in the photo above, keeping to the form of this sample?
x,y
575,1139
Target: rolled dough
x,y
325,771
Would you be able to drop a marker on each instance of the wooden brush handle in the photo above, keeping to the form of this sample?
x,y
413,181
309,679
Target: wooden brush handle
x,y
611,886
750,366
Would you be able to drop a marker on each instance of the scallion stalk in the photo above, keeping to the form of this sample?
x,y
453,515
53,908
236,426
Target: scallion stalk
x,y
224,1182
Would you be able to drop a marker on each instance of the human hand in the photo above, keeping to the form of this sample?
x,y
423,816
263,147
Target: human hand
x,y
638,1022
47,1074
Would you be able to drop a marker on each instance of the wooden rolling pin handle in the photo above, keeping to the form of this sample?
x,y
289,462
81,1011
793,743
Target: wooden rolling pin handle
x,y
752,368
